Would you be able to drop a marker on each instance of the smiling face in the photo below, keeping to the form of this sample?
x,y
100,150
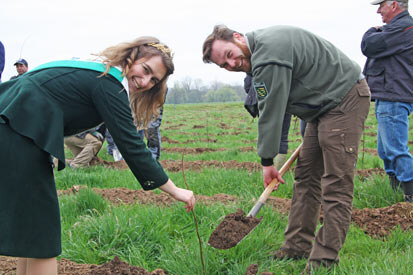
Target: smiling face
x,y
233,56
145,73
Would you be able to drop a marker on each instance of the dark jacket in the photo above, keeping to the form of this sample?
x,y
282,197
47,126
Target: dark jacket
x,y
389,65
48,104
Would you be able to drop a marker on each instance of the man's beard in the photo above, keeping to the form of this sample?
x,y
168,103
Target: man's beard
x,y
246,56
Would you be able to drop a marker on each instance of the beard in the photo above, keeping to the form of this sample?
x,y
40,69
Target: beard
x,y
245,57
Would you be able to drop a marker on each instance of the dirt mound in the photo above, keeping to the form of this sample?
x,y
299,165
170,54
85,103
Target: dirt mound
x,y
253,270
232,230
380,222
67,267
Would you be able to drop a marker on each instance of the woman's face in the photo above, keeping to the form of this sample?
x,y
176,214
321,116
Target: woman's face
x,y
145,73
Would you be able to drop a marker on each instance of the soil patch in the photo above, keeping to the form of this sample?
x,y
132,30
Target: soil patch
x,y
176,166
67,267
189,151
121,165
232,229
380,222
366,173
127,196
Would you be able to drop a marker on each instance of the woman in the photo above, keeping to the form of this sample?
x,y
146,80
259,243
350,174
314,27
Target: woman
x,y
61,99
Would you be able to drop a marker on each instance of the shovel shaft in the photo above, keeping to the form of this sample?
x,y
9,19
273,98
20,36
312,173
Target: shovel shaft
x,y
270,187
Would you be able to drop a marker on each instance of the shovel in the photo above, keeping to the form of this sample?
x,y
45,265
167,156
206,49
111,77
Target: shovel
x,y
236,226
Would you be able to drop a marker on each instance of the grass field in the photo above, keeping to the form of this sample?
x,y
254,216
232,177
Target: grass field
x,y
150,236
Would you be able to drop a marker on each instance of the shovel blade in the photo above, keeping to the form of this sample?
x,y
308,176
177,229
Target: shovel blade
x,y
232,230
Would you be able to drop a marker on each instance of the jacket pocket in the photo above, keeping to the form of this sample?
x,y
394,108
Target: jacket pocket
x,y
375,78
363,89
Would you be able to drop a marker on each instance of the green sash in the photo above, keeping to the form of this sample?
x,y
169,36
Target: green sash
x,y
94,66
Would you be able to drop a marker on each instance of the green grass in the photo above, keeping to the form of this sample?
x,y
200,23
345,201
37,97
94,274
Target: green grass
x,y
150,236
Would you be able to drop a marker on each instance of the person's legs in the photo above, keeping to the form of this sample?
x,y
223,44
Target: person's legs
x,y
72,143
393,133
392,138
305,204
21,266
90,147
340,132
41,266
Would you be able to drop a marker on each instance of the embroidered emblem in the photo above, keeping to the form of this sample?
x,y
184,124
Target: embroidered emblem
x,y
260,89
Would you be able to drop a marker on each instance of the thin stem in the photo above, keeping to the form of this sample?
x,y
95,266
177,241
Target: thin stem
x,y
196,222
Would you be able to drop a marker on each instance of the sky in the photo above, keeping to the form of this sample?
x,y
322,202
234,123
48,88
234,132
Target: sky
x,y
45,30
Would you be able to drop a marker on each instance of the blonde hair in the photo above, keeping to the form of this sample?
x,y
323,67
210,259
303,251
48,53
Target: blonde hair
x,y
145,105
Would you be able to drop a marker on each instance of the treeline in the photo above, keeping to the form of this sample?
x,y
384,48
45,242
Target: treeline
x,y
189,90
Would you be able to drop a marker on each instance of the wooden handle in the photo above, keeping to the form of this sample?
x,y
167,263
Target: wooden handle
x,y
270,187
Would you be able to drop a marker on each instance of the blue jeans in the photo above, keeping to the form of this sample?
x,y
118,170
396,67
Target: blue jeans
x,y
392,138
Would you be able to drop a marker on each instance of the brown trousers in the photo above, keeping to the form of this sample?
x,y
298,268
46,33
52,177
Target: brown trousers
x,y
324,176
83,149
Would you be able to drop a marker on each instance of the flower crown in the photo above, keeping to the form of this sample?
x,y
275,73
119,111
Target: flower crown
x,y
161,47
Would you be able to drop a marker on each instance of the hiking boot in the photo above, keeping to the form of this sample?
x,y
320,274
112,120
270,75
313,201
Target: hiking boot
x,y
394,182
286,254
408,191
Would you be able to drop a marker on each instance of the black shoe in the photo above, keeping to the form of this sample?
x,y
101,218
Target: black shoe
x,y
394,182
408,191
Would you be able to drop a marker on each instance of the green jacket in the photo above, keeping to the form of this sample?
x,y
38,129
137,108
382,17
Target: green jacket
x,y
48,104
297,72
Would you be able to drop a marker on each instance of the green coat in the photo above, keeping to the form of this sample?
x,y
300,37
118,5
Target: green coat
x,y
36,112
49,104
297,72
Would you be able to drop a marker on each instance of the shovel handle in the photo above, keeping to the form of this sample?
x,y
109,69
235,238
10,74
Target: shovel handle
x,y
270,187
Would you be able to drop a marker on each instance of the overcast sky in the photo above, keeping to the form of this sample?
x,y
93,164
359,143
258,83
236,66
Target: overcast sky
x,y
43,30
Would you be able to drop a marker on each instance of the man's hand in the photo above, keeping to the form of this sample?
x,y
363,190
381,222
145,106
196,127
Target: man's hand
x,y
269,173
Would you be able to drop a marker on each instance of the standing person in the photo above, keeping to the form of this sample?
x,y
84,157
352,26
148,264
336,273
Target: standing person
x,y
85,146
2,59
65,98
21,67
389,73
301,73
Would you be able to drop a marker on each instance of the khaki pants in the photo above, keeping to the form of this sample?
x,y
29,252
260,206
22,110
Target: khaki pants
x,y
324,176
83,149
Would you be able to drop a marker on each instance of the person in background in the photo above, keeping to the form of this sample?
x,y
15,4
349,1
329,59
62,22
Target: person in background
x,y
298,72
389,73
2,59
67,97
85,146
153,135
21,67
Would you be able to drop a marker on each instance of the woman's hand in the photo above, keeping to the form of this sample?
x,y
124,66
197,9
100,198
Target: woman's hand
x,y
180,194
269,173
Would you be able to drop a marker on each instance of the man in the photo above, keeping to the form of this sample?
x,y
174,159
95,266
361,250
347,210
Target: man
x,y
85,146
297,72
21,68
389,73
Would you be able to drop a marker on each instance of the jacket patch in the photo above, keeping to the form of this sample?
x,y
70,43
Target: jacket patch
x,y
260,89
